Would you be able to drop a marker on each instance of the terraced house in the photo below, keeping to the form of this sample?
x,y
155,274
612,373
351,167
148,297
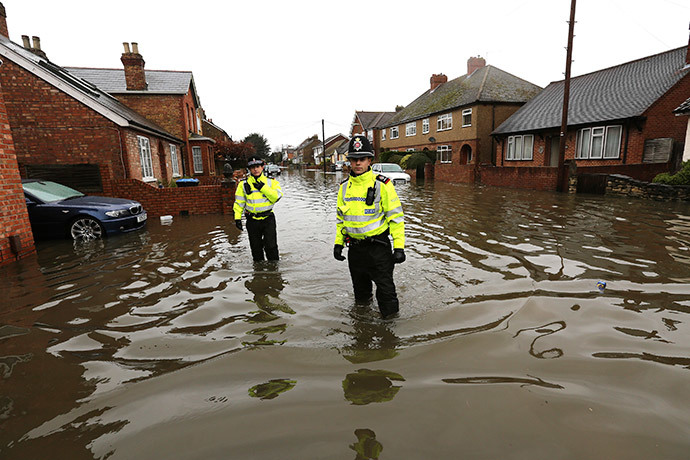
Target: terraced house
x,y
620,121
455,118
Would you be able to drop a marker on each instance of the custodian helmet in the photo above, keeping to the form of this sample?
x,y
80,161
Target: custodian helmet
x,y
360,147
255,161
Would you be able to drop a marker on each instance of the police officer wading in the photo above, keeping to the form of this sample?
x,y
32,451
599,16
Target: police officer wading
x,y
255,196
369,210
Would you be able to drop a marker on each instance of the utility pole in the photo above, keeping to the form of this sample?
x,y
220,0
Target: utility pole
x,y
323,143
561,184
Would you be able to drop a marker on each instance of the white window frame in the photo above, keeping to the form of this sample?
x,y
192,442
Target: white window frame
x,y
444,122
410,149
411,129
585,148
425,126
444,153
394,132
174,161
197,160
145,158
466,113
383,134
520,147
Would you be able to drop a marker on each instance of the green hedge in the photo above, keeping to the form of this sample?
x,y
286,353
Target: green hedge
x,y
682,177
408,160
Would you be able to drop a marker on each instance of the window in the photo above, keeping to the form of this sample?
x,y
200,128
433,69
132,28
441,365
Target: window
x,y
425,126
174,160
394,132
198,162
145,158
466,117
598,142
411,149
383,134
520,147
444,122
411,129
444,153
370,136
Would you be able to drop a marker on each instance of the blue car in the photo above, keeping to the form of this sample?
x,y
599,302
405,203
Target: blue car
x,y
59,211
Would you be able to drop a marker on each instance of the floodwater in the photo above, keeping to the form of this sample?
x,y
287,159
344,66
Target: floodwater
x,y
171,343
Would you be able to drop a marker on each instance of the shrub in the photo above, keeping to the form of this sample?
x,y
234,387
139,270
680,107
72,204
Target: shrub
x,y
385,155
414,160
395,158
682,177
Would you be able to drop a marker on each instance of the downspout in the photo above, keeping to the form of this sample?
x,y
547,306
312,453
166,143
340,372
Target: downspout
x,y
627,139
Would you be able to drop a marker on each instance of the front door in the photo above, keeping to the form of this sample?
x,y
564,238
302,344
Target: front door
x,y
555,144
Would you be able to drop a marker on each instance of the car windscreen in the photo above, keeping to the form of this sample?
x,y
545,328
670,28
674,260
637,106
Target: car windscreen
x,y
50,191
391,168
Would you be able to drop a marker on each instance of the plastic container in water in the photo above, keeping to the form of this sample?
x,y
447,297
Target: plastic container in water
x,y
166,219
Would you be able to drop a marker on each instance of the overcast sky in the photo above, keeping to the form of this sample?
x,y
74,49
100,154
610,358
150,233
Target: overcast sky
x,y
279,67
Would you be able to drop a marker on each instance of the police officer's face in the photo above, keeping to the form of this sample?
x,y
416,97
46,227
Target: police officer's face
x,y
360,165
256,170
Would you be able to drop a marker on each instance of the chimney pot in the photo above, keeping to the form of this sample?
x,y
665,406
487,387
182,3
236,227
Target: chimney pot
x,y
126,45
27,43
37,43
437,80
135,48
133,62
475,63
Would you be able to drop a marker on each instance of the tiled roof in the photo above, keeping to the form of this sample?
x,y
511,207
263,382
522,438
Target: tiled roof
x,y
487,84
113,80
371,120
684,108
616,93
95,95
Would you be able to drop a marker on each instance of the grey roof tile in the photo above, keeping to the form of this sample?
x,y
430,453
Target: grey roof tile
x,y
487,84
159,81
615,93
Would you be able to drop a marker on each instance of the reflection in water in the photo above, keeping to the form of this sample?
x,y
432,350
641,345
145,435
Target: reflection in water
x,y
266,285
543,331
520,380
367,386
271,389
366,447
372,339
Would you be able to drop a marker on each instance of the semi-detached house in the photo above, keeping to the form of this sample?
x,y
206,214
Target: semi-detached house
x,y
455,118
620,121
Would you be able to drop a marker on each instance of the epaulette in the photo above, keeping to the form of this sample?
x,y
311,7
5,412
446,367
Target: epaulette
x,y
382,178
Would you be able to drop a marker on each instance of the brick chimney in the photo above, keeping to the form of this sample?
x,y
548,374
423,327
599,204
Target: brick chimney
x,y
134,68
475,63
36,48
437,80
687,54
3,22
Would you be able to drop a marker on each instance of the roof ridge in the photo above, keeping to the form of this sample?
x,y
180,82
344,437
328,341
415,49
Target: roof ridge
x,y
481,85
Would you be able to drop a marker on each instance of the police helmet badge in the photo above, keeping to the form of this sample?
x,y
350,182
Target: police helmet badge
x,y
357,144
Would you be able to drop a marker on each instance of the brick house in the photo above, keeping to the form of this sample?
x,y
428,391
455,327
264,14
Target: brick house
x,y
620,120
332,143
168,98
455,118
304,153
68,130
369,124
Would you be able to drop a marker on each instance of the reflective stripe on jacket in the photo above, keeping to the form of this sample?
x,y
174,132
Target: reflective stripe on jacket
x,y
256,201
359,220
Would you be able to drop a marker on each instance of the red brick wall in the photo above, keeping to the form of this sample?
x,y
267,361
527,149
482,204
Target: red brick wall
x,y
644,172
202,199
457,170
14,219
535,178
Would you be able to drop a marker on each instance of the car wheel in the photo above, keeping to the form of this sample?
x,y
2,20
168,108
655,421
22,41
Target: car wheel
x,y
85,228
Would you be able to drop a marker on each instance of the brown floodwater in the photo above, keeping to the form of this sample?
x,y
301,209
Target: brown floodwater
x,y
171,343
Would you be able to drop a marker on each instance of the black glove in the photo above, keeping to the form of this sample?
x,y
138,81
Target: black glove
x,y
238,224
398,256
258,184
338,252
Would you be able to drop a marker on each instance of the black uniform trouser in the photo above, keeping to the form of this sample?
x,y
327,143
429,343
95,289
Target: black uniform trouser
x,y
373,261
262,237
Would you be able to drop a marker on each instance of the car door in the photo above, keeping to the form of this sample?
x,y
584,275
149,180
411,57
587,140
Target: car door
x,y
46,218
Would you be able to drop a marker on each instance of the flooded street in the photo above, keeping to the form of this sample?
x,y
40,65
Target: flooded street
x,y
171,343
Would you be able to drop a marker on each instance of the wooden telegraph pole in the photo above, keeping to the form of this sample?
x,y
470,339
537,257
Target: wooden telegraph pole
x,y
562,185
323,143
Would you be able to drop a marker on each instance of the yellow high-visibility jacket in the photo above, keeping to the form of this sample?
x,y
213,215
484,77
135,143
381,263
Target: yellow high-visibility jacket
x,y
256,201
356,219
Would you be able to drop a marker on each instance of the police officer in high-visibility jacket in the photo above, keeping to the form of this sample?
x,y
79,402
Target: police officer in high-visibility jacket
x,y
255,196
369,210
